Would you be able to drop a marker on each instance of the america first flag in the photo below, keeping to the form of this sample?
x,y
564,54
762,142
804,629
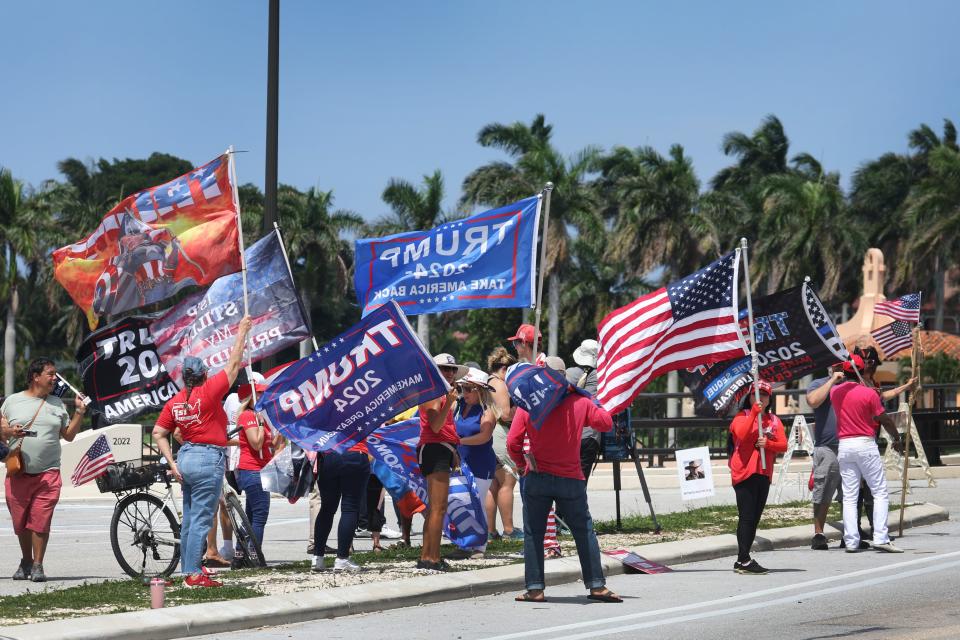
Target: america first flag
x,y
689,322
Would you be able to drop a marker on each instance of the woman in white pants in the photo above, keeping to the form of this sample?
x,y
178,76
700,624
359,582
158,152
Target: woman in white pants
x,y
859,415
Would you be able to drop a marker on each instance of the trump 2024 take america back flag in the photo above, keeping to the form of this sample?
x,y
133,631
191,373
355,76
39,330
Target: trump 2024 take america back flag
x,y
689,322
94,462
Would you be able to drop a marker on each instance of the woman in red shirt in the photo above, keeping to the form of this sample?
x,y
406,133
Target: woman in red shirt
x,y
256,450
437,455
751,483
196,413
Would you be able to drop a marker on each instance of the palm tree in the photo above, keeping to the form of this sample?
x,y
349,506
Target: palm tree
x,y
574,204
312,231
19,223
761,154
655,197
933,211
805,231
413,209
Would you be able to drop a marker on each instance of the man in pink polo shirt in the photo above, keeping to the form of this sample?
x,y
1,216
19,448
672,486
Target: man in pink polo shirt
x,y
859,415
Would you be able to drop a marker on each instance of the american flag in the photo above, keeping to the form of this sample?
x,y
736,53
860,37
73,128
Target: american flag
x,y
687,323
894,337
93,463
903,308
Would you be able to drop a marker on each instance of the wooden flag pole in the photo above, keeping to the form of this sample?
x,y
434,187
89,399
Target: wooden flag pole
x,y
754,366
243,264
547,190
916,355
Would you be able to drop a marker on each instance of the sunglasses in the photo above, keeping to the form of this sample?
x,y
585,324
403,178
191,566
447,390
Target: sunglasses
x,y
464,388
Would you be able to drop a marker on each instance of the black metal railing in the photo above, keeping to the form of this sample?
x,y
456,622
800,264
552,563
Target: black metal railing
x,y
658,437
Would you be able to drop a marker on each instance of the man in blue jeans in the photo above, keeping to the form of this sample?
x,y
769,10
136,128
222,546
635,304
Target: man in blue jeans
x,y
552,473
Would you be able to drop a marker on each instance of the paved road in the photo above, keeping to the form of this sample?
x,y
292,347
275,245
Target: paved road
x,y
80,546
808,595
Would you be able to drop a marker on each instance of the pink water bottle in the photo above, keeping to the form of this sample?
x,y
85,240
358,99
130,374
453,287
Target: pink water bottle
x,y
157,593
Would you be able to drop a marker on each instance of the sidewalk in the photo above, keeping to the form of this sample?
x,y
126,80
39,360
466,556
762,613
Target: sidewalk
x,y
234,615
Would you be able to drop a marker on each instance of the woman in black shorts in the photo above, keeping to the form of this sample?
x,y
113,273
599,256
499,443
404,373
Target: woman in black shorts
x,y
437,454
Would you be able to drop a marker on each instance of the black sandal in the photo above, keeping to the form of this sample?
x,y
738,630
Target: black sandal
x,y
605,596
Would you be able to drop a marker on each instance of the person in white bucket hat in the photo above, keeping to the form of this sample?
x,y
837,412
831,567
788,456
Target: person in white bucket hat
x,y
586,356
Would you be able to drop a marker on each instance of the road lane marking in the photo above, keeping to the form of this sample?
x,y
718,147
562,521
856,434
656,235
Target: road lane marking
x,y
760,605
726,599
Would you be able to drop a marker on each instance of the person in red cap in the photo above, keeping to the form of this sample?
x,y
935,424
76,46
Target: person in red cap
x,y
523,343
859,415
751,481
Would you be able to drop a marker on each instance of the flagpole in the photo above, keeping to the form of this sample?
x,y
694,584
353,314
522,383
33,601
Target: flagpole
x,y
85,399
303,311
243,263
914,373
547,190
754,366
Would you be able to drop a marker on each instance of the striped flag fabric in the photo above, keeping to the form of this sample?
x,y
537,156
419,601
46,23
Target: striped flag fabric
x,y
894,337
905,308
94,462
690,322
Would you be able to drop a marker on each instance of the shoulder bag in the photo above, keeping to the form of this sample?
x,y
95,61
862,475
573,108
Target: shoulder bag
x,y
15,456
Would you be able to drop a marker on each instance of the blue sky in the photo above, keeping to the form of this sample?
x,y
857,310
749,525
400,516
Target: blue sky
x,y
371,91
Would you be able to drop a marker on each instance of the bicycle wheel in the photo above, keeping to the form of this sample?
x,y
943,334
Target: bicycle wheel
x,y
145,536
246,542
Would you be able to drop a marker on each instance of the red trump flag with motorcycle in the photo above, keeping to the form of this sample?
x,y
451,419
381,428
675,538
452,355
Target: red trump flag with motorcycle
x,y
154,243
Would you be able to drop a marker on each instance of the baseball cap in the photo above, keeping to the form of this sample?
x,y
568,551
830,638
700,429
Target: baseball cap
x,y
857,361
764,386
193,366
525,333
556,363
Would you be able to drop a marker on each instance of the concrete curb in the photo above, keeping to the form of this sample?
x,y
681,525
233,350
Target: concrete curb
x,y
235,615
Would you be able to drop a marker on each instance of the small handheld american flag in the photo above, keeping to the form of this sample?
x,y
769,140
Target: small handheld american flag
x,y
93,463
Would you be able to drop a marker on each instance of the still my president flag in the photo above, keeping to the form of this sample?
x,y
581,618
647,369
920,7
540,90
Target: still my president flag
x,y
689,322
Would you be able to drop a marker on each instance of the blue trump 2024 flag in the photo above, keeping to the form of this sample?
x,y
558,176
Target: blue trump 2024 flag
x,y
395,446
334,397
486,260
539,390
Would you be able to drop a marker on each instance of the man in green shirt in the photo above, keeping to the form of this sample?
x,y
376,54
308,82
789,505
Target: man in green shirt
x,y
39,419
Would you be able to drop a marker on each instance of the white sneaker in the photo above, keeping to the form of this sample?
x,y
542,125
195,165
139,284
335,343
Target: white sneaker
x,y
345,564
887,547
317,564
390,534
361,533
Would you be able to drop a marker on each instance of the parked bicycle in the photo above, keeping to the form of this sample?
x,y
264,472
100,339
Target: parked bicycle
x,y
145,528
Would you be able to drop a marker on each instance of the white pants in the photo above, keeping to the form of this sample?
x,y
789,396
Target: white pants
x,y
860,458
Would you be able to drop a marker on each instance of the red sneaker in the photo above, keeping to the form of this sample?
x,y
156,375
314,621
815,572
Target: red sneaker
x,y
200,580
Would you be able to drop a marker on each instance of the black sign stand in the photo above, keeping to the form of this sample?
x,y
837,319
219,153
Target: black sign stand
x,y
624,447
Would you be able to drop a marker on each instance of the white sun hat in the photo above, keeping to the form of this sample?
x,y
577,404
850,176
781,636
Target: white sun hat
x,y
447,360
476,377
586,354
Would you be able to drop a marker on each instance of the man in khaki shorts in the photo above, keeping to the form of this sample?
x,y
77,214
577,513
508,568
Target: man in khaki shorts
x,y
826,469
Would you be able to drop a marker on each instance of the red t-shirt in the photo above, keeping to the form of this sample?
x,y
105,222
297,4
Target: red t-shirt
x,y
200,417
250,460
856,407
555,447
745,459
447,433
